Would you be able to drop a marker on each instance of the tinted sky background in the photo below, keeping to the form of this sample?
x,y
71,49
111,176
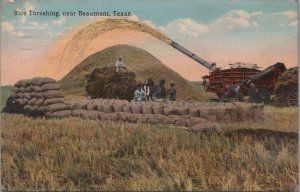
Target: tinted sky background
x,y
224,31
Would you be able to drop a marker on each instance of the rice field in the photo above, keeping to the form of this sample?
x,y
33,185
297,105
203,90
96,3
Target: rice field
x,y
74,154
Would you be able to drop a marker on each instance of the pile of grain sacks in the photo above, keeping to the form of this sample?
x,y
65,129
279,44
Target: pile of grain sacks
x,y
39,96
42,97
212,111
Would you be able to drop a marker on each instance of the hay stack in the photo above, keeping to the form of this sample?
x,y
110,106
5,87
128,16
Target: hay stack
x,y
107,83
37,97
286,83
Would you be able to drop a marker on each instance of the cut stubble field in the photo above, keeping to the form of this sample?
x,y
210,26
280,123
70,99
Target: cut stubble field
x,y
74,154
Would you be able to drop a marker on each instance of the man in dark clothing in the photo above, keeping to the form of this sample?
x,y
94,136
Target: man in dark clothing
x,y
162,89
151,88
172,92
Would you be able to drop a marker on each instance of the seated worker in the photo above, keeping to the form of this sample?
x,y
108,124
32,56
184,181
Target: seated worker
x,y
139,94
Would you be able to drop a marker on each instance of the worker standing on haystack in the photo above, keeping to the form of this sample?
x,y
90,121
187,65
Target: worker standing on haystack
x,y
139,94
172,92
119,64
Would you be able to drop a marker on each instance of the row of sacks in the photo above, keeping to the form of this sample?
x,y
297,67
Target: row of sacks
x,y
193,123
35,97
214,112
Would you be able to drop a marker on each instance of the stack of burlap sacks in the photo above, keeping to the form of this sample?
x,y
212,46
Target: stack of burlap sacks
x,y
212,111
42,97
195,115
37,97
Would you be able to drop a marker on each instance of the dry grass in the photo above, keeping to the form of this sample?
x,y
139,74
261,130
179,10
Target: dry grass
x,y
75,154
276,118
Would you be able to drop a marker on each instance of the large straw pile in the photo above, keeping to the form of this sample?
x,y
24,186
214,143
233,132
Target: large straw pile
x,y
107,83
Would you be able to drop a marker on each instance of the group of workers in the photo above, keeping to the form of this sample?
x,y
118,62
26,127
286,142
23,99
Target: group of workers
x,y
148,91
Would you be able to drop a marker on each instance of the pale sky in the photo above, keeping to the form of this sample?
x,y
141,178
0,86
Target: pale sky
x,y
222,31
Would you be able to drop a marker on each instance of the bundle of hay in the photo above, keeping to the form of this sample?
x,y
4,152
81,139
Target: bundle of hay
x,y
36,97
286,83
107,83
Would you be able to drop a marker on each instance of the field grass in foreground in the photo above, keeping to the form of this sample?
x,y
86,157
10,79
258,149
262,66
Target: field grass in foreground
x,y
276,118
78,154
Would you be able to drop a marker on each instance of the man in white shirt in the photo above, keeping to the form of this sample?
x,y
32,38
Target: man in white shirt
x,y
139,94
119,64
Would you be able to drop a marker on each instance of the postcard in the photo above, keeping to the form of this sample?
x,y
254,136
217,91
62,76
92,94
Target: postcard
x,y
133,95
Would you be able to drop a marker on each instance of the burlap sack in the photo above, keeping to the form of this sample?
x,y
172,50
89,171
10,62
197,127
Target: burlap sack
x,y
91,106
36,95
136,108
206,113
154,119
142,119
195,120
42,109
171,119
35,80
158,109
169,110
132,117
36,89
52,94
74,106
109,116
27,107
32,101
78,112
44,80
123,116
29,88
57,107
183,110
194,112
21,83
147,109
60,114
22,102
107,108
20,95
95,115
126,109
50,86
34,108
22,89
225,118
53,101
117,107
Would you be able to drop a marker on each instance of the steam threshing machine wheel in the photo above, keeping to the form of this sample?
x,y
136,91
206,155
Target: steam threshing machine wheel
x,y
292,98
